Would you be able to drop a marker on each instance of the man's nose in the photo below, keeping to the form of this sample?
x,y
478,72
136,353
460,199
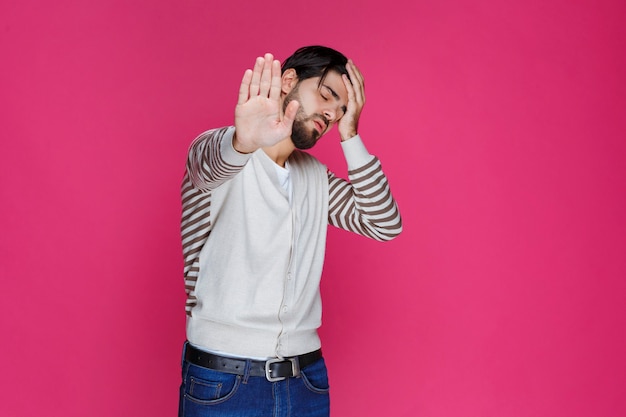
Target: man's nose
x,y
330,114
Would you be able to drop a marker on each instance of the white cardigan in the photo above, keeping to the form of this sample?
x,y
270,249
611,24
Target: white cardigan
x,y
253,281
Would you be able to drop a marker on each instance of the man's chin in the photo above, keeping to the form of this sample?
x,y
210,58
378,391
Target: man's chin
x,y
304,145
305,141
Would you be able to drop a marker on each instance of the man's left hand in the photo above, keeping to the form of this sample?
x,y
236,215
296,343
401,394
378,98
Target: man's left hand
x,y
349,123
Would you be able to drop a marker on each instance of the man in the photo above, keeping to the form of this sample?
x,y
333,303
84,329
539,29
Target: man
x,y
255,214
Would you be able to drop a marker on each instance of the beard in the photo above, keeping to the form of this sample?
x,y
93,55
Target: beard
x,y
302,136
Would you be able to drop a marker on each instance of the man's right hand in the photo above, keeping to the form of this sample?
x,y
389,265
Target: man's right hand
x,y
259,120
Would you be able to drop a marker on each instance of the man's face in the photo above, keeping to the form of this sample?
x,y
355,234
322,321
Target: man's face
x,y
321,106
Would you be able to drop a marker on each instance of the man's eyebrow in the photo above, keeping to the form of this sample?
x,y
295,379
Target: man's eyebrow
x,y
335,95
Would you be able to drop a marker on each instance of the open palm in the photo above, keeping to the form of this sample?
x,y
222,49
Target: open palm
x,y
259,120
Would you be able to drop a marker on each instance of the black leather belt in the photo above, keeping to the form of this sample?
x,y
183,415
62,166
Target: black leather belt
x,y
275,369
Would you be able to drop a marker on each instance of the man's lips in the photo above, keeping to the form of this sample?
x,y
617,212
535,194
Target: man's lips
x,y
319,125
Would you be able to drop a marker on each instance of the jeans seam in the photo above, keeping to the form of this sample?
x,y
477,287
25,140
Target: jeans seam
x,y
309,385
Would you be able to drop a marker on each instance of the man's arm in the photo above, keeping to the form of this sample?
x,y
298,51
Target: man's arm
x,y
364,205
217,155
212,160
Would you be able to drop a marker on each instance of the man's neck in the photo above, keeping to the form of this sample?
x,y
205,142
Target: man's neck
x,y
280,152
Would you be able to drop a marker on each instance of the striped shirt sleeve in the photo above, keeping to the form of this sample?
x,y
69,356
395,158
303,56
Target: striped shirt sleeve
x,y
364,205
211,161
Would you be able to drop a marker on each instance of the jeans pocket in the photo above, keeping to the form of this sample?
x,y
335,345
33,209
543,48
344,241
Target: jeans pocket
x,y
206,387
315,377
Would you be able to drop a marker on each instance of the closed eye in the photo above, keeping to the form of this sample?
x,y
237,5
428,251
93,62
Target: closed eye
x,y
335,96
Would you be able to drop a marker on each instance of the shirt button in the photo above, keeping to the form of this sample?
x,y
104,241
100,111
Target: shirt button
x,y
284,309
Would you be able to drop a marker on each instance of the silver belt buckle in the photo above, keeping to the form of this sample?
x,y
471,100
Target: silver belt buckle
x,y
295,368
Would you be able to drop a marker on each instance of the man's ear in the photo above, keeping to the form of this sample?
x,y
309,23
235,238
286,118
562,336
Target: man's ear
x,y
289,80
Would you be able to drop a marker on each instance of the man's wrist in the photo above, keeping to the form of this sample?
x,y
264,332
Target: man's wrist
x,y
237,146
347,136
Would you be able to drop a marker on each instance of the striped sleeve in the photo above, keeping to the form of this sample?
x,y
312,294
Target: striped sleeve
x,y
212,159
365,204
195,229
208,166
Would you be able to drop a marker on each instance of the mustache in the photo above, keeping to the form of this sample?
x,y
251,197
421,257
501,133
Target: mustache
x,y
321,117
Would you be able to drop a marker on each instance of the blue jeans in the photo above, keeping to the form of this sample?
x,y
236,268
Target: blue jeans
x,y
206,392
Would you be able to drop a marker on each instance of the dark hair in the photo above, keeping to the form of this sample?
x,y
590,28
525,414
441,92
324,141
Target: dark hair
x,y
316,61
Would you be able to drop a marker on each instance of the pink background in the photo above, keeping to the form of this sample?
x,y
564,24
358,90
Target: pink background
x,y
501,127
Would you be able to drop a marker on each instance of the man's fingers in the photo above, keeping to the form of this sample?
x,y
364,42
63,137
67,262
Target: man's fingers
x,y
290,113
256,77
244,89
358,83
276,87
266,75
348,125
262,80
349,87
355,73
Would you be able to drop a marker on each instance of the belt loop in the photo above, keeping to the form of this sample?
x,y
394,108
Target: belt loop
x,y
246,371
